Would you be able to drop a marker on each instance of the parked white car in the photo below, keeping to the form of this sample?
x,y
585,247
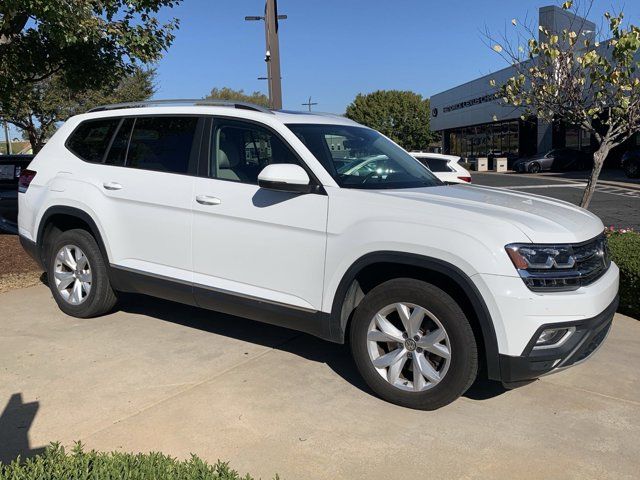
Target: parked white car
x,y
247,211
446,167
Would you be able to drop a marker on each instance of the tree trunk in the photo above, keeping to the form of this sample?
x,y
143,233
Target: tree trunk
x,y
34,140
598,159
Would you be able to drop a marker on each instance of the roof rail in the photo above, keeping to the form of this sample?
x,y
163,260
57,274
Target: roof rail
x,y
187,101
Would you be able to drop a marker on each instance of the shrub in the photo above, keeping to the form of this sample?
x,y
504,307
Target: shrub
x,y
56,464
625,251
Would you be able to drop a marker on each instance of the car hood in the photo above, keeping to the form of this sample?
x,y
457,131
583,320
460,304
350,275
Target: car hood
x,y
541,219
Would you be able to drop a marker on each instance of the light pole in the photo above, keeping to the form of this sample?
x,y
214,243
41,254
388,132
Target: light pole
x,y
272,56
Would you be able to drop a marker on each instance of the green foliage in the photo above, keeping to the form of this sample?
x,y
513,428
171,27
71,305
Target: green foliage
x,y
57,464
625,252
87,43
46,103
572,78
402,116
569,76
226,93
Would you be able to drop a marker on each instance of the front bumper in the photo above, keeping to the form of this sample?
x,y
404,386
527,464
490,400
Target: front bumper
x,y
588,336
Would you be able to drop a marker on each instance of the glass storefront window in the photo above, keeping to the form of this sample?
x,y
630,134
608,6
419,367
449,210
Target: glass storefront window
x,y
497,139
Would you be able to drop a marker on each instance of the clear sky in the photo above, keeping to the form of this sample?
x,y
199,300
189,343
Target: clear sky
x,y
334,49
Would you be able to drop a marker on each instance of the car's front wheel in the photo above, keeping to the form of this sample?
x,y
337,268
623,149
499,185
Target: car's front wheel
x,y
77,275
413,344
534,168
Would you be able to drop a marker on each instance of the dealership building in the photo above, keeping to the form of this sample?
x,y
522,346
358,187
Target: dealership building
x,y
475,122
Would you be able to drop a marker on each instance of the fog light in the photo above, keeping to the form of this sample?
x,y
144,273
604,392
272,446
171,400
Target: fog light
x,y
554,337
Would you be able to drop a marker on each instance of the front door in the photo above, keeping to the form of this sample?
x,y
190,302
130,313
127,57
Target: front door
x,y
252,242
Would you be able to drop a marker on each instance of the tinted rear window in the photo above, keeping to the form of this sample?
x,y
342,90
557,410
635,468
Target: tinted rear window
x,y
162,143
118,151
91,139
436,164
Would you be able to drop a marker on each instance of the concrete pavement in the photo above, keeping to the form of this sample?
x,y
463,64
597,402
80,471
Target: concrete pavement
x,y
162,376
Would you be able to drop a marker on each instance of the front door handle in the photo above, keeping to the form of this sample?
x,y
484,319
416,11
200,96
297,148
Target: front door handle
x,y
207,200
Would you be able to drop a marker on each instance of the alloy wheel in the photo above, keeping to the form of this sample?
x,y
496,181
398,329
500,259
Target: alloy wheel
x,y
72,274
409,347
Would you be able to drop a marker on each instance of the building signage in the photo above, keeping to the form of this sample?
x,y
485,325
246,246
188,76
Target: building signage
x,y
474,101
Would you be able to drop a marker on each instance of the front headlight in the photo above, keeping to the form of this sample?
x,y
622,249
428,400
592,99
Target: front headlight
x,y
560,267
544,257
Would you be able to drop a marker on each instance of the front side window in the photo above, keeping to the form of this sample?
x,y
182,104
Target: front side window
x,y
366,159
164,144
91,139
241,150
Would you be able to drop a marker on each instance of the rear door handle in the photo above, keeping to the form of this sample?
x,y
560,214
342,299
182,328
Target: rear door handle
x,y
207,200
112,186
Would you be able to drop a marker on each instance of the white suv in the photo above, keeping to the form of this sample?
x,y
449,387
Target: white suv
x,y
446,167
316,223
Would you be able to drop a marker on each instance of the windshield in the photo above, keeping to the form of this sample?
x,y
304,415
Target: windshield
x,y
358,157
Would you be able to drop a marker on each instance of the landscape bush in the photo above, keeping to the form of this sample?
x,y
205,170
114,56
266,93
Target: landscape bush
x,y
57,464
624,246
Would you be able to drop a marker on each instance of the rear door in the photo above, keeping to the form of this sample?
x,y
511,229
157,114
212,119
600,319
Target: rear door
x,y
147,180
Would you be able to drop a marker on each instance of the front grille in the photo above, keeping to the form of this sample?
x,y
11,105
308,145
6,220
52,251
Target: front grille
x,y
592,259
591,262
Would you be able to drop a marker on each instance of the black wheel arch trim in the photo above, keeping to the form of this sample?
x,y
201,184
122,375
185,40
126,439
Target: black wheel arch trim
x,y
455,274
70,212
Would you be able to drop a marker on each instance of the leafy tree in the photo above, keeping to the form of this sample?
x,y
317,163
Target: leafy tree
x,y
84,43
49,102
573,78
226,93
402,116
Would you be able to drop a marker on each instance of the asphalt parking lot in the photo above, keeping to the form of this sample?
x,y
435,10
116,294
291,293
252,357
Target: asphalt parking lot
x,y
161,376
616,203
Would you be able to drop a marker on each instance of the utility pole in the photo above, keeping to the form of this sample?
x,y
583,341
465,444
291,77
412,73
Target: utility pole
x,y
272,55
310,103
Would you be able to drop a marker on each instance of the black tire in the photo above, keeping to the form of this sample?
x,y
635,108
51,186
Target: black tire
x,y
101,297
463,368
534,168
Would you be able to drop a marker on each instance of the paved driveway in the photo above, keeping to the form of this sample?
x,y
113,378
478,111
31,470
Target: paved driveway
x,y
161,376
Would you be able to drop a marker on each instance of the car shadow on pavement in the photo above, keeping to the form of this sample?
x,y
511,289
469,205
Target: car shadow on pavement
x,y
335,356
15,422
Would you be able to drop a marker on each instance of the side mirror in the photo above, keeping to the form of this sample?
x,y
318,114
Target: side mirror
x,y
285,177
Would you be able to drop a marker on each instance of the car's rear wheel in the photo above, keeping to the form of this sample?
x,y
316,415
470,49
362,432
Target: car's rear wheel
x,y
78,277
534,168
413,344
